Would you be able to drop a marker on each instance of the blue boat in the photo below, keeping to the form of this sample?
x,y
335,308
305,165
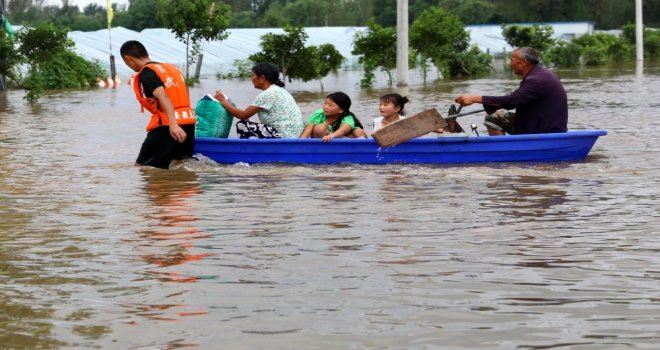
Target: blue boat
x,y
452,149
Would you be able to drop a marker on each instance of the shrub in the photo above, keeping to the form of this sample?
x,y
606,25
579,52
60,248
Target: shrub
x,y
468,63
67,70
601,48
51,62
242,69
565,54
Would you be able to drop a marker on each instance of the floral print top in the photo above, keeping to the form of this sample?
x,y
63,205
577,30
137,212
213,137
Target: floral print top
x,y
280,111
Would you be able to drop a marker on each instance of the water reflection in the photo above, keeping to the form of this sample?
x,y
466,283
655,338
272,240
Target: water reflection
x,y
403,90
22,313
528,196
95,253
172,229
639,69
167,243
4,102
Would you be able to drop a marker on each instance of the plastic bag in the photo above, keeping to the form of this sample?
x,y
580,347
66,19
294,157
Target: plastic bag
x,y
213,120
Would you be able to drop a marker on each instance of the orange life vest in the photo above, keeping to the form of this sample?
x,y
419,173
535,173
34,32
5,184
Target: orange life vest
x,y
176,90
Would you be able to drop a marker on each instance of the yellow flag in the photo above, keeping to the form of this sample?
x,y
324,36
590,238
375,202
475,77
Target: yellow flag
x,y
110,14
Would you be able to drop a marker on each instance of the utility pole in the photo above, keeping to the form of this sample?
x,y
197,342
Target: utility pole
x,y
639,31
402,43
3,78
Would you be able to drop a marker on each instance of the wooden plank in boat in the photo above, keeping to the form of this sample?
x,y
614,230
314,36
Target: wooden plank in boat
x,y
409,128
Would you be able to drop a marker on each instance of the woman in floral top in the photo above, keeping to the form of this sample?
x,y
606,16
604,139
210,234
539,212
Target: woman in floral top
x,y
275,106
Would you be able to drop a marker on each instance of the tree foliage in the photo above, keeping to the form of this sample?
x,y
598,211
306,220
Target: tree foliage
x,y
377,49
564,54
297,61
468,11
67,70
285,50
651,39
9,55
193,21
329,58
51,62
591,49
37,45
141,14
468,63
536,36
602,48
439,36
320,61
307,13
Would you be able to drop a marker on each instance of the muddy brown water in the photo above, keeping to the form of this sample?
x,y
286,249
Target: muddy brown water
x,y
97,253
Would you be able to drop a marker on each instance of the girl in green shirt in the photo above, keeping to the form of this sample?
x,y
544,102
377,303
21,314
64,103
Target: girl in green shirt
x,y
334,120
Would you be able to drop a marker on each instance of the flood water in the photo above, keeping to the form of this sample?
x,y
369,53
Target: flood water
x,y
97,253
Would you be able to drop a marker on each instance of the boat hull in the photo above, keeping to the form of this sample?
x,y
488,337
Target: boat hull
x,y
569,146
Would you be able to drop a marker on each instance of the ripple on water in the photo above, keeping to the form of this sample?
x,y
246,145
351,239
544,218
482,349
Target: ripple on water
x,y
98,253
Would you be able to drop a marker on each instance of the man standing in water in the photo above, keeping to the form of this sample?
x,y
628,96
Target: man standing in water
x,y
540,101
161,89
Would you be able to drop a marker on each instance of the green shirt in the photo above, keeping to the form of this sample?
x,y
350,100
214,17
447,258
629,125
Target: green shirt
x,y
319,117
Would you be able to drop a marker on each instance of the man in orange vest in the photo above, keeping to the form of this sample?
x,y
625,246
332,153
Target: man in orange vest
x,y
161,89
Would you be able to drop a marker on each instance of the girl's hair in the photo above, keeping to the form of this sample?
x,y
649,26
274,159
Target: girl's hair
x,y
395,99
269,71
344,102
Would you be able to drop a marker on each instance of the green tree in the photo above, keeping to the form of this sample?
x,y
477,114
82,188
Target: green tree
x,y
37,45
330,60
565,54
591,49
602,48
242,5
296,60
10,58
68,70
243,19
241,69
307,13
193,21
93,9
273,17
439,36
468,63
51,62
318,62
536,36
651,39
356,13
469,11
142,14
385,15
89,23
377,49
285,50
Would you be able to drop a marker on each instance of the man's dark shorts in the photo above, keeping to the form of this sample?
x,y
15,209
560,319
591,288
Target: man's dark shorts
x,y
159,148
502,120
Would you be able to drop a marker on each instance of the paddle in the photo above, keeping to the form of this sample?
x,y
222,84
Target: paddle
x,y
414,126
